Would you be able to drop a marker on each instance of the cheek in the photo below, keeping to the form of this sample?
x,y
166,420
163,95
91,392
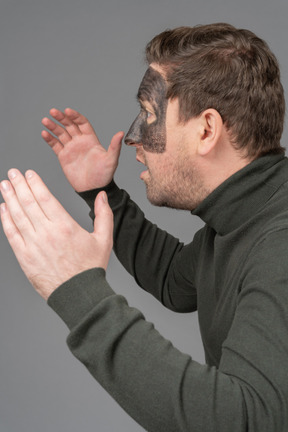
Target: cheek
x,y
155,133
154,139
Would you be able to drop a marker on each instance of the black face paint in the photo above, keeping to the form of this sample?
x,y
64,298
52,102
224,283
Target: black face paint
x,y
152,136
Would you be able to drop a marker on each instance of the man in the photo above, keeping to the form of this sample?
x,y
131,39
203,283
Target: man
x,y
209,129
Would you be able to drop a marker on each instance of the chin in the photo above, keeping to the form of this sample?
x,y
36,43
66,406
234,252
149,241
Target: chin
x,y
160,199
155,197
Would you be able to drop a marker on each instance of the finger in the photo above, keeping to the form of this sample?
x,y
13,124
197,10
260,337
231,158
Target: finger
x,y
51,207
81,121
63,136
53,142
71,127
115,146
16,212
103,223
26,199
11,231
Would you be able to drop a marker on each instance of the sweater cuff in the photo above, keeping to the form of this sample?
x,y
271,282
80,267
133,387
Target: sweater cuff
x,y
79,295
114,194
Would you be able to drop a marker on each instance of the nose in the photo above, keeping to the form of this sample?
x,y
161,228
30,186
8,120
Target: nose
x,y
134,134
130,141
132,138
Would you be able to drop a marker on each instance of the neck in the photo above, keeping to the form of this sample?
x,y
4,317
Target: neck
x,y
220,164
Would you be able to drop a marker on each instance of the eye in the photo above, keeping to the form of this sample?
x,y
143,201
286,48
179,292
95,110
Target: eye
x,y
150,116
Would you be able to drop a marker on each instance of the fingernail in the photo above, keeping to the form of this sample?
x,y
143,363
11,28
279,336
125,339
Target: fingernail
x,y
104,197
3,208
5,186
12,174
29,174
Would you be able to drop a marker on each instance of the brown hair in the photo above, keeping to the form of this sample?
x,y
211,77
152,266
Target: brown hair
x,y
228,69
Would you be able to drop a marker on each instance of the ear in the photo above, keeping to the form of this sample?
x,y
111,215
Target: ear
x,y
211,128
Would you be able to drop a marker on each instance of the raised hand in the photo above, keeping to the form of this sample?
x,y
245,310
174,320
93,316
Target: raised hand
x,y
49,245
86,164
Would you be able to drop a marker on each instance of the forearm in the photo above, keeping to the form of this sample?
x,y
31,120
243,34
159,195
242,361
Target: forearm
x,y
146,251
161,388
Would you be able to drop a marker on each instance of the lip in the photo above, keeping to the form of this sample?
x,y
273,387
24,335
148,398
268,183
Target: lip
x,y
142,161
143,174
139,159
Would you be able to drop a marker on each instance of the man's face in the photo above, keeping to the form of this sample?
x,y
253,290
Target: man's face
x,y
165,146
149,127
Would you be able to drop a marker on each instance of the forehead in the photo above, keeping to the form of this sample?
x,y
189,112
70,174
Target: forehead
x,y
152,87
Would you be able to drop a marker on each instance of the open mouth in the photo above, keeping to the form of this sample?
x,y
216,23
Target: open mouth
x,y
140,158
143,173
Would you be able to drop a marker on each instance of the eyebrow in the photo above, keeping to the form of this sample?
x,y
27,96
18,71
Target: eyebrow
x,y
144,94
145,104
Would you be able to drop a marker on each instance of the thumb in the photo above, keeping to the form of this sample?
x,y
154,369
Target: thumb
x,y
115,146
103,226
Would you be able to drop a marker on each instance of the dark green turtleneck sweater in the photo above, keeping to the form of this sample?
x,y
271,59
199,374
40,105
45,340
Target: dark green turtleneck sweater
x,y
235,273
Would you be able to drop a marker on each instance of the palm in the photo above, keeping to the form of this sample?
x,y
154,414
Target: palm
x,y
86,164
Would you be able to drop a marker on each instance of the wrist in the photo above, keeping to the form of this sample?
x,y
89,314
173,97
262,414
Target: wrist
x,y
96,190
77,296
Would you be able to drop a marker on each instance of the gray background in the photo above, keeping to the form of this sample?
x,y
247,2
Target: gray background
x,y
87,55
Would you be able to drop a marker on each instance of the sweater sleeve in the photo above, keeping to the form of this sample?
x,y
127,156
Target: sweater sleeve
x,y
163,389
156,259
166,390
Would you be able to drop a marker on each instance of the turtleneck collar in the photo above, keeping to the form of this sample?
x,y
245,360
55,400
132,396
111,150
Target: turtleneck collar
x,y
243,194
